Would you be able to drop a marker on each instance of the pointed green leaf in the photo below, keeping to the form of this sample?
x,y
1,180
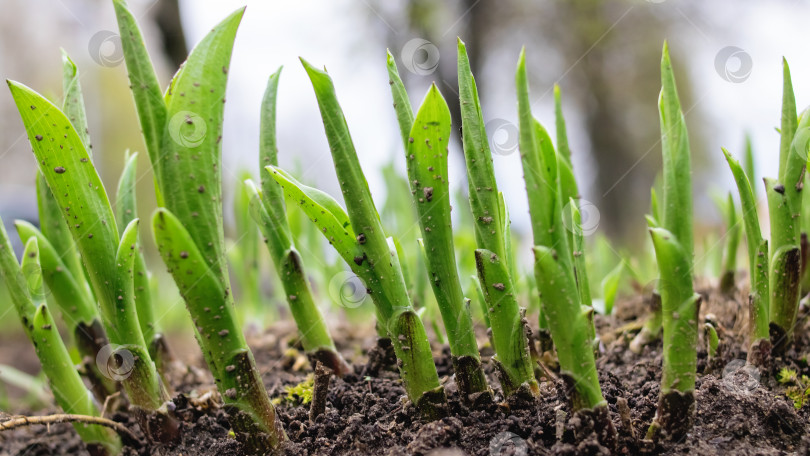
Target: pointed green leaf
x,y
190,160
126,203
273,214
66,166
73,106
14,280
222,342
562,134
402,104
68,388
126,210
677,198
580,270
480,171
428,176
143,82
788,128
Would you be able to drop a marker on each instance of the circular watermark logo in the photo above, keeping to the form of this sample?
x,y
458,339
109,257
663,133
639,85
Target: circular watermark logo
x,y
733,64
589,218
504,136
740,376
115,362
347,289
188,129
420,56
105,48
508,443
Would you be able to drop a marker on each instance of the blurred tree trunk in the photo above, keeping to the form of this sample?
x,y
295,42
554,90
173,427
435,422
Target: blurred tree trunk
x,y
167,18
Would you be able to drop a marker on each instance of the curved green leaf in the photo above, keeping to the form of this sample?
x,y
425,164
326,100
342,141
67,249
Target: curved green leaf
x,y
324,211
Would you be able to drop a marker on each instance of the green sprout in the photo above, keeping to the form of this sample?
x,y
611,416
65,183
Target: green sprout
x,y
64,162
759,297
182,135
566,304
784,205
426,146
358,236
673,241
493,255
269,212
24,283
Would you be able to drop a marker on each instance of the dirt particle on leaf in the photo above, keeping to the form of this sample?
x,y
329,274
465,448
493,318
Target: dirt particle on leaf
x,y
184,254
59,170
499,286
39,137
201,189
224,333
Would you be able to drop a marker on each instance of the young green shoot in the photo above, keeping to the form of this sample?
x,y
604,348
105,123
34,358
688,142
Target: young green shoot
x,y
673,242
428,175
784,204
426,148
492,258
183,133
24,284
64,162
759,297
269,212
569,316
373,255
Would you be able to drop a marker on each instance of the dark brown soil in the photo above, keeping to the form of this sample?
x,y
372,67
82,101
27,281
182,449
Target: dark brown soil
x,y
740,411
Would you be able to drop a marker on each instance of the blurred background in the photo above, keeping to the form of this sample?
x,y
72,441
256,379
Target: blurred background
x,y
604,54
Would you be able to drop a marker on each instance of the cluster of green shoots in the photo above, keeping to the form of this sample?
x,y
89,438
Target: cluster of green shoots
x,y
89,256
